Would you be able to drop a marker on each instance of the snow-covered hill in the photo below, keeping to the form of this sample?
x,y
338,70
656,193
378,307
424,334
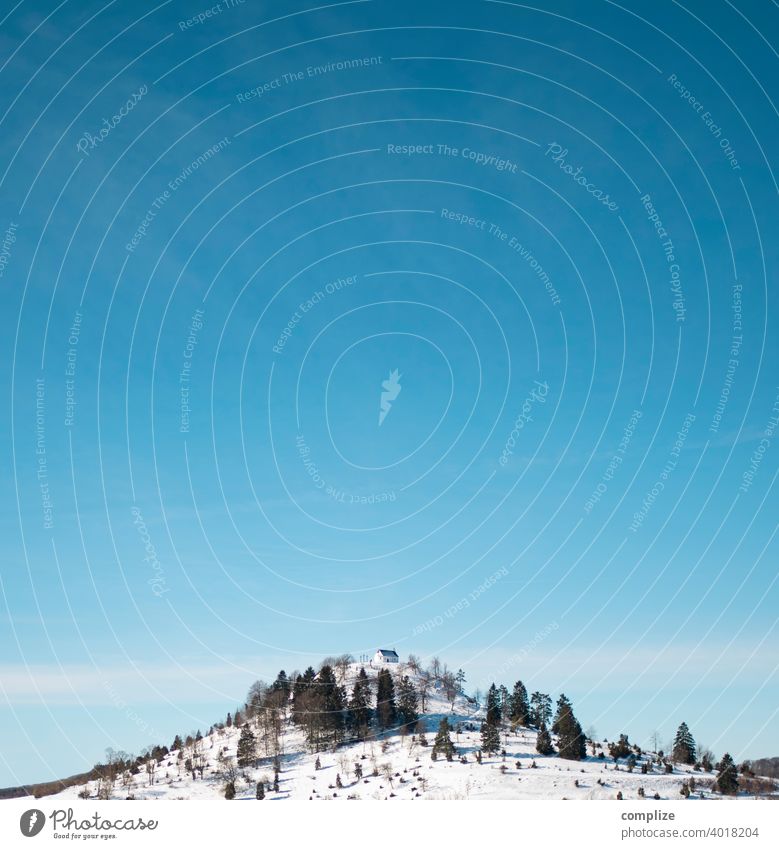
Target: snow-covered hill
x,y
397,766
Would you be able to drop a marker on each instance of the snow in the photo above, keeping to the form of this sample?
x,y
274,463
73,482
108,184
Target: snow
x,y
414,775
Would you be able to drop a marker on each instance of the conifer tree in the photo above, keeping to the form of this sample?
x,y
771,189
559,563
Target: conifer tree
x,y
620,749
540,709
544,741
329,707
408,703
563,707
490,728
229,720
230,790
247,747
503,698
490,738
360,706
493,706
282,684
260,790
727,777
571,741
442,745
386,711
684,746
519,709
460,679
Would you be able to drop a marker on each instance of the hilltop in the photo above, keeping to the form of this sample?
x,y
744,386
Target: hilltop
x,y
304,739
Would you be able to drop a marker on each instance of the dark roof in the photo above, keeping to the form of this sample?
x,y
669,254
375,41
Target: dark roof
x,y
388,652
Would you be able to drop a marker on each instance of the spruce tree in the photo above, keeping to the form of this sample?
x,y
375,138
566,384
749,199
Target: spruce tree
x,y
563,707
460,679
408,703
727,777
443,742
490,728
493,706
544,741
490,738
282,684
386,711
328,701
571,741
247,747
360,706
684,746
519,709
302,696
260,790
504,699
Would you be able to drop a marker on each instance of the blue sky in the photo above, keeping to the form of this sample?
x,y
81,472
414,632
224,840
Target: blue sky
x,y
547,221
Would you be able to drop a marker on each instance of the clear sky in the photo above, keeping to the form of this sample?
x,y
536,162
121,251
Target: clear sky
x,y
221,235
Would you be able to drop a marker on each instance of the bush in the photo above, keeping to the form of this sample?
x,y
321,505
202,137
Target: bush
x,y
757,786
620,749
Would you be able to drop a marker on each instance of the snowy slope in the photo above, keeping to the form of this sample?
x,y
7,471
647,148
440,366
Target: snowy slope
x,y
414,775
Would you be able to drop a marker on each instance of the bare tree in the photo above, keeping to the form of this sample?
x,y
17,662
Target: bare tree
x,y
344,762
424,685
450,687
197,757
255,697
271,722
386,770
150,765
654,740
227,770
342,664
